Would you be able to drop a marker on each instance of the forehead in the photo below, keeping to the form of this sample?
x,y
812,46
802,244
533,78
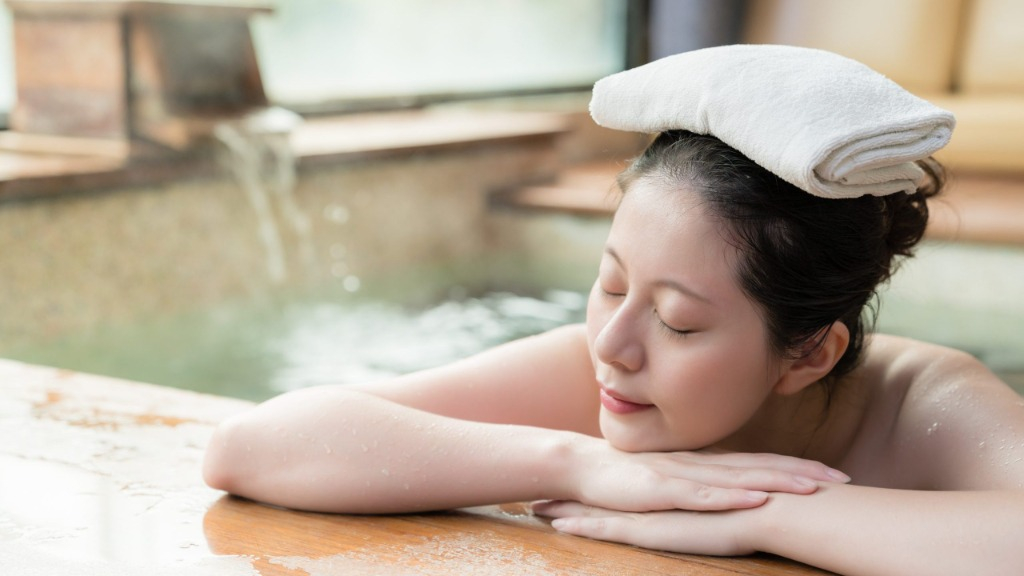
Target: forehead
x,y
660,213
667,230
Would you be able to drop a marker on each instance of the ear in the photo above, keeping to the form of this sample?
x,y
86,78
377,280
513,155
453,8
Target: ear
x,y
805,371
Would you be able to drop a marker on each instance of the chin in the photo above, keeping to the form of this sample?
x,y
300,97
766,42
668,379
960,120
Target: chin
x,y
643,438
634,438
627,445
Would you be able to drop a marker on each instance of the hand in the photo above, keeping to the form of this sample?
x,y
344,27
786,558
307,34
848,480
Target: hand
x,y
701,481
712,533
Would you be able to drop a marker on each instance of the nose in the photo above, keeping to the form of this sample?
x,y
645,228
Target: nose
x,y
618,342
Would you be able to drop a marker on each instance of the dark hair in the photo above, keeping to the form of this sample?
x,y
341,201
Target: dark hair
x,y
807,262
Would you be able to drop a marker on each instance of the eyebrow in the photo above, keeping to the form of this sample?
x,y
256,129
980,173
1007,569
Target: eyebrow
x,y
677,286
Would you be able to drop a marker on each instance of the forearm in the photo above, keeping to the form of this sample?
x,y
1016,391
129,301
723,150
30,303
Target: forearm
x,y
860,531
339,451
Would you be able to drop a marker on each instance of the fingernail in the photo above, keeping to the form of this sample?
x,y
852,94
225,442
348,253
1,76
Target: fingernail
x,y
756,496
838,476
559,523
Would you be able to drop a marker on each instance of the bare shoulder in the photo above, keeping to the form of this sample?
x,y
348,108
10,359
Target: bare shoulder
x,y
951,424
544,380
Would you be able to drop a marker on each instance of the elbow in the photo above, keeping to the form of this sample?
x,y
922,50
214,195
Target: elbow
x,y
221,462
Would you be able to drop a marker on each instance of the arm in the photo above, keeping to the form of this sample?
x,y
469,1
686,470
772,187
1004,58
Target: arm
x,y
463,434
335,450
511,424
857,530
851,530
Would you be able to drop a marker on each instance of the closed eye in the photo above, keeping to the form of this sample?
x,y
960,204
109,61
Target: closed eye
x,y
674,332
610,292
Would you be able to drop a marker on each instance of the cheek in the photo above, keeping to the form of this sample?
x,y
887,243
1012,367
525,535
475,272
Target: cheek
x,y
708,399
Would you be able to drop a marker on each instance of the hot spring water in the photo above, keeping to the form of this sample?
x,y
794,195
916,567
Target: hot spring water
x,y
257,349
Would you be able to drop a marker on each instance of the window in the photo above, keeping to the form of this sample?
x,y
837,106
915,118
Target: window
x,y
315,51
324,53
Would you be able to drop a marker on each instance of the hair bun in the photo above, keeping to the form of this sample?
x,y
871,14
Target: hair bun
x,y
907,214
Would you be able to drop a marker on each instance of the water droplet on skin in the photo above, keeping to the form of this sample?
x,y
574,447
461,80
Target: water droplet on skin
x,y
932,428
364,447
327,448
384,471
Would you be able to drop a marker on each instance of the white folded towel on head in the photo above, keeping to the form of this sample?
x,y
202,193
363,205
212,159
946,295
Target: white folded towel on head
x,y
823,122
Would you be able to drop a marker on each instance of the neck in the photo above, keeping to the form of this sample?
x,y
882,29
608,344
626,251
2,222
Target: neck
x,y
791,425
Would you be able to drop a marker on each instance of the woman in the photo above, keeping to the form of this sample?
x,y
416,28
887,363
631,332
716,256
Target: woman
x,y
719,400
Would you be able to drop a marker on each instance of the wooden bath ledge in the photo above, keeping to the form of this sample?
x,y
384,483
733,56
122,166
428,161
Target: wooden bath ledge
x,y
102,476
33,166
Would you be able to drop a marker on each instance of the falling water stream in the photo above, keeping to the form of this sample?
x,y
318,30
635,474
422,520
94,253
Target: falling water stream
x,y
259,155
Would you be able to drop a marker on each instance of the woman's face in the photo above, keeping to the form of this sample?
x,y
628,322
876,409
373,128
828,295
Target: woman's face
x,y
680,353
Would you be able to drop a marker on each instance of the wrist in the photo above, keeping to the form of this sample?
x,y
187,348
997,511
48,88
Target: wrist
x,y
565,458
766,523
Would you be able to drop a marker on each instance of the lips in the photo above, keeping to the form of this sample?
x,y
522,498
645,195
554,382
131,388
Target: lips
x,y
617,405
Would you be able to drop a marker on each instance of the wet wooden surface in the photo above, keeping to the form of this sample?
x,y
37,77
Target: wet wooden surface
x,y
102,476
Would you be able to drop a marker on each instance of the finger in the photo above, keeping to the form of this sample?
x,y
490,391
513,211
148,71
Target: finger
x,y
791,464
762,479
704,498
635,529
675,495
565,508
612,528
686,532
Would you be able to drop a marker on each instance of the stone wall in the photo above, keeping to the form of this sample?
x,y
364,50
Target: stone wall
x,y
76,261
